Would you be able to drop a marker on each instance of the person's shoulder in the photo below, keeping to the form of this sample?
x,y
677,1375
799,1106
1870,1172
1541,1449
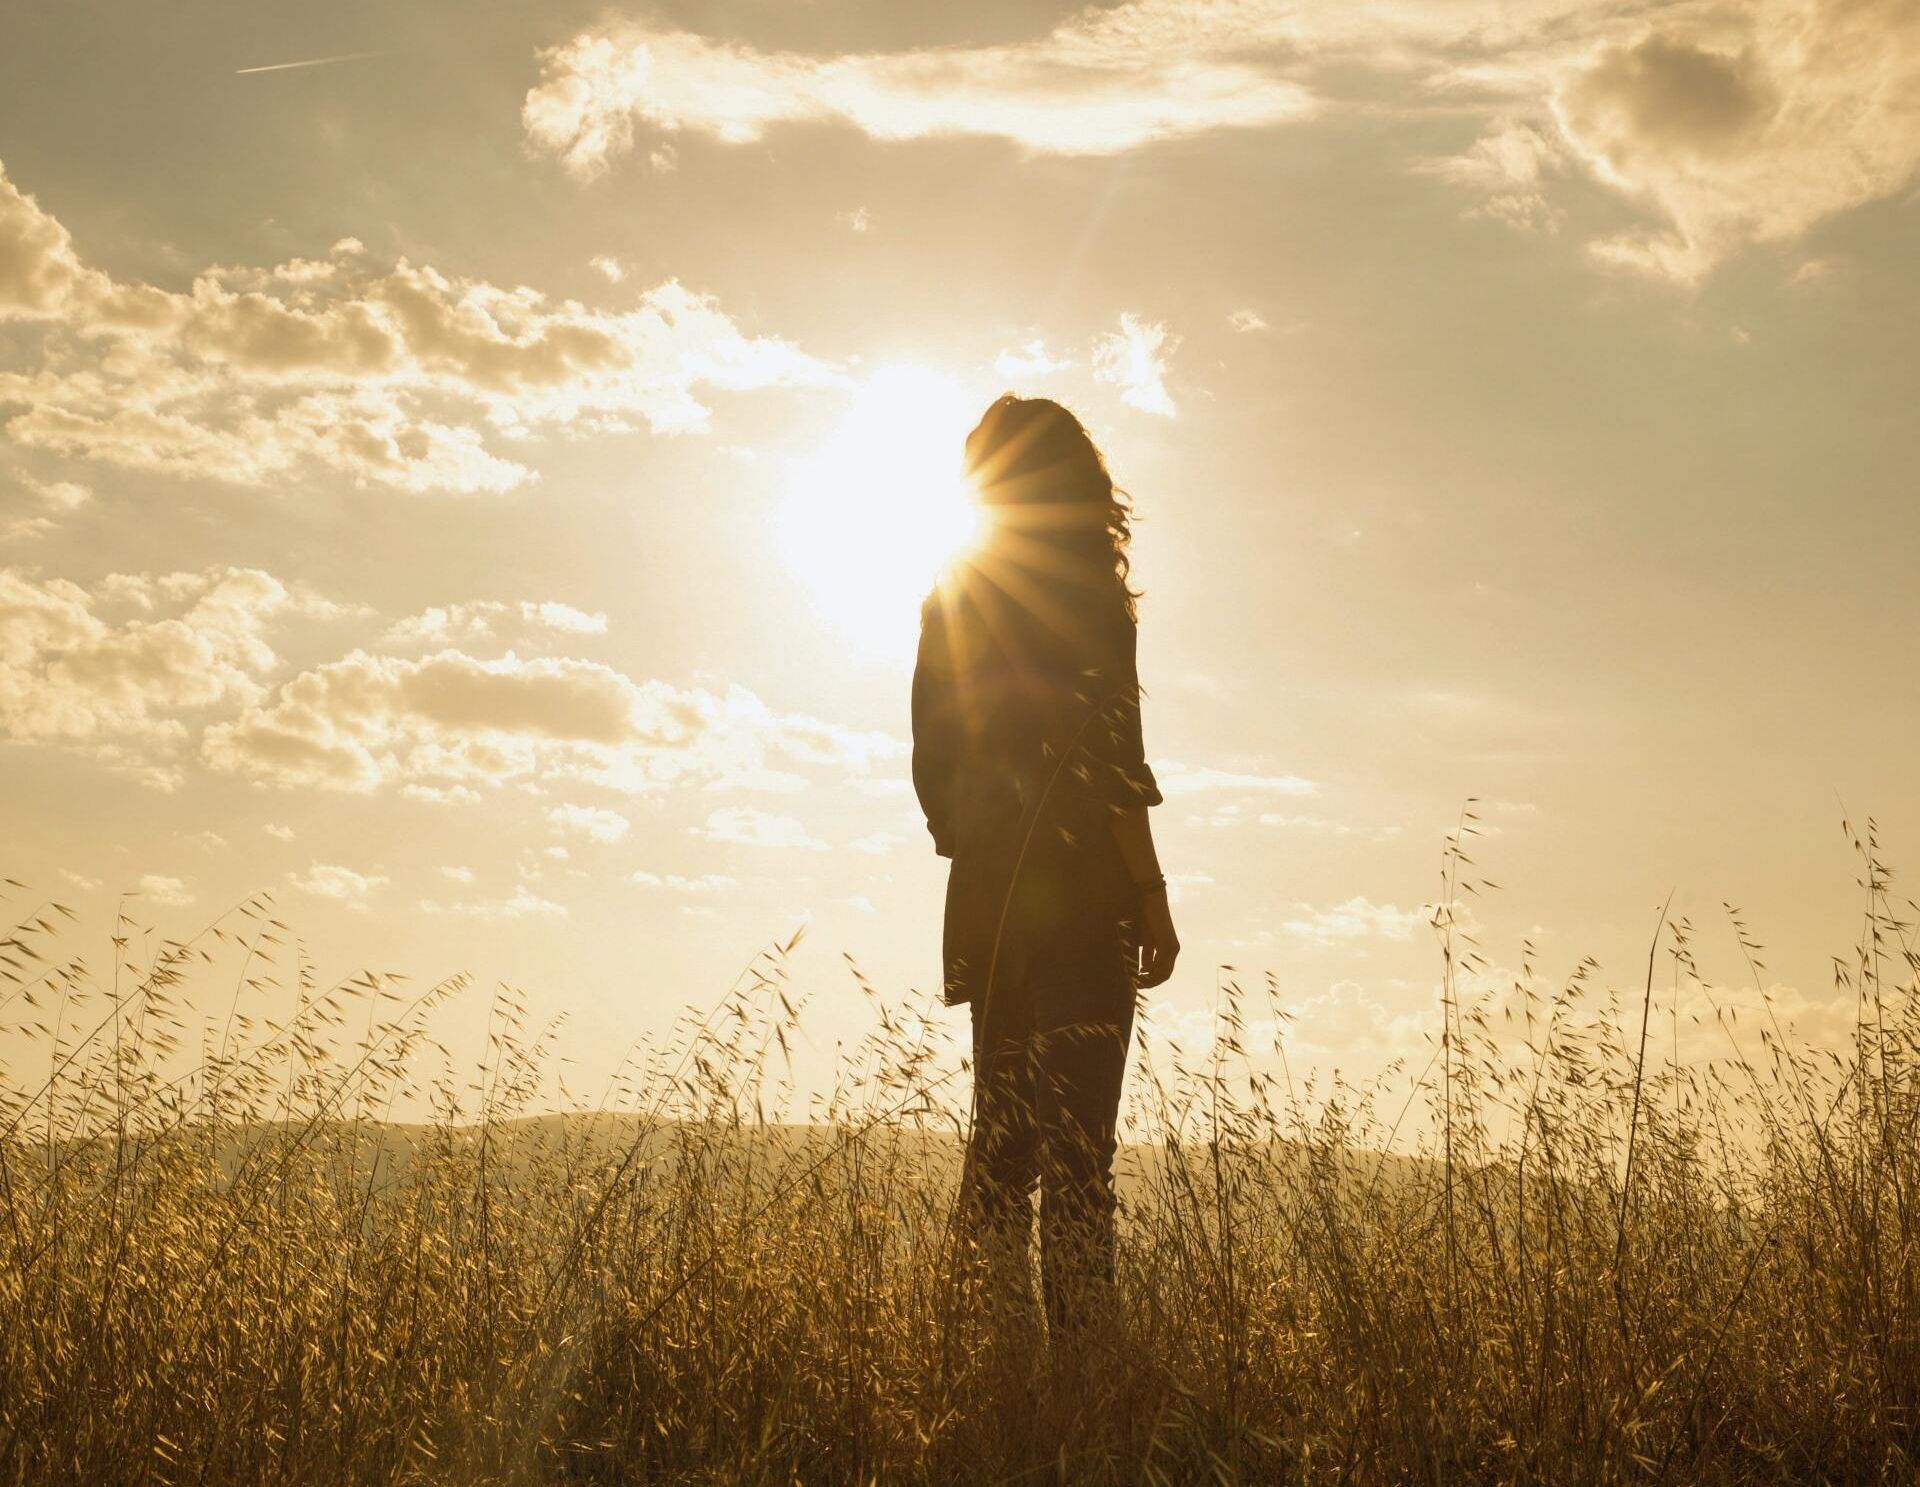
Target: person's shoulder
x,y
959,586
939,598
940,610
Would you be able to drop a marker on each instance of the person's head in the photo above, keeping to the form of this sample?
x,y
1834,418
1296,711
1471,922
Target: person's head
x,y
1051,506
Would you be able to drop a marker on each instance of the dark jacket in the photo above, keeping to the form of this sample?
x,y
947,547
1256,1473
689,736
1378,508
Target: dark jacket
x,y
1026,740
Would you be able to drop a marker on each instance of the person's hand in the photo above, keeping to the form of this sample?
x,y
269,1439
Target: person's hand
x,y
1159,945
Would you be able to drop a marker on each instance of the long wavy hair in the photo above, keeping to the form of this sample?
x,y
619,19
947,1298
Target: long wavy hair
x,y
1051,504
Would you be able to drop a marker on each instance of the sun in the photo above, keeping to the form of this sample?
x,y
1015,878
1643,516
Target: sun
x,y
869,517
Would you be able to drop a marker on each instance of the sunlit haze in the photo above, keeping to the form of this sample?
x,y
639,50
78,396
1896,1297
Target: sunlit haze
x,y
472,470
867,520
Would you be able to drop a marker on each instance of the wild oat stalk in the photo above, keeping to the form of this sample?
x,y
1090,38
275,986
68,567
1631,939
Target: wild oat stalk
x,y
1591,1261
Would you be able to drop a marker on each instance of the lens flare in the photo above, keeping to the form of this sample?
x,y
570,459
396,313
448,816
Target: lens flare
x,y
868,518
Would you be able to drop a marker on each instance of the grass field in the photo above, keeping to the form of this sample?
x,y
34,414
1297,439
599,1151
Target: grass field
x,y
1564,1260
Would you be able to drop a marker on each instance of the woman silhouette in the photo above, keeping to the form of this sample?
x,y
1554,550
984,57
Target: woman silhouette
x,y
1028,762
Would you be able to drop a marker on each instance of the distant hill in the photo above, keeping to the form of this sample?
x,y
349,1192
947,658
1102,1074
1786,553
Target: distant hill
x,y
593,1144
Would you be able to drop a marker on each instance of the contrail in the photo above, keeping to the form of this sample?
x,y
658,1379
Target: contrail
x,y
310,62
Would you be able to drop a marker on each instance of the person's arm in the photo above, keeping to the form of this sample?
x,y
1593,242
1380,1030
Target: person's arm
x,y
936,726
1159,945
1115,771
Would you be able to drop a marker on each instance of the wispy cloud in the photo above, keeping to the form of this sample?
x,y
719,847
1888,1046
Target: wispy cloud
x,y
446,724
1807,110
1326,826
1357,919
52,500
342,884
676,883
156,888
1506,170
744,826
1134,358
1180,779
593,822
1029,362
1094,85
1728,125
522,903
75,666
389,377
481,619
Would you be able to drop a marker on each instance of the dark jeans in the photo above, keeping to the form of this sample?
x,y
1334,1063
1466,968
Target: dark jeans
x,y
1048,1065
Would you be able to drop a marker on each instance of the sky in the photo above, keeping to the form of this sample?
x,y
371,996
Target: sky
x,y
470,470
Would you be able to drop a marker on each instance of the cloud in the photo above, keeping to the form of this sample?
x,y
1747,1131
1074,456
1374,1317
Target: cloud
x,y
1229,814
1029,362
1324,826
171,892
70,672
278,833
876,843
445,624
1179,883
593,822
1099,83
564,618
48,500
443,725
60,495
1730,126
448,719
610,269
1666,96
675,883
19,528
1356,919
439,794
1133,359
1246,322
1813,109
40,273
457,874
342,884
386,377
751,828
1181,779
522,904
1506,169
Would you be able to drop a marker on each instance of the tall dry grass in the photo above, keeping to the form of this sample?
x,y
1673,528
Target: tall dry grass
x,y
1567,1260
